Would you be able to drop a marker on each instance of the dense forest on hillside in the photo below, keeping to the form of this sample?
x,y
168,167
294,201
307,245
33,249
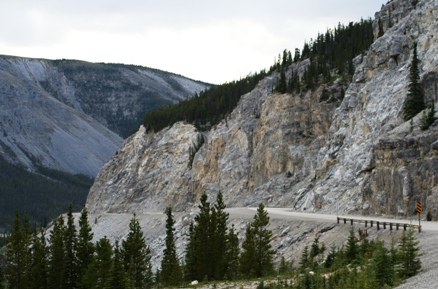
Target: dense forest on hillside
x,y
331,55
206,109
42,196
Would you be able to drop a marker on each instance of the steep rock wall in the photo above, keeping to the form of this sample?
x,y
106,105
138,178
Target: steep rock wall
x,y
287,150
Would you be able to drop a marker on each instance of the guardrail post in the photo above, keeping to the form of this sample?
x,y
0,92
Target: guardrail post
x,y
404,226
351,222
390,226
345,221
371,223
378,226
338,220
384,225
396,226
366,223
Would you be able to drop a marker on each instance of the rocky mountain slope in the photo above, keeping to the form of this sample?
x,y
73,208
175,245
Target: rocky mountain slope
x,y
71,115
293,150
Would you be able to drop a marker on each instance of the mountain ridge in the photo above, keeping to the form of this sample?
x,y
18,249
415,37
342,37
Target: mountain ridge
x,y
60,113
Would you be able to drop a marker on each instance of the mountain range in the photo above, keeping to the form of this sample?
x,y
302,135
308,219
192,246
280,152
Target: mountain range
x,y
70,116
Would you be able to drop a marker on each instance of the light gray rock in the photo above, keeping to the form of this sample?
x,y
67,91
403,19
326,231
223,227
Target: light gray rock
x,y
290,150
68,115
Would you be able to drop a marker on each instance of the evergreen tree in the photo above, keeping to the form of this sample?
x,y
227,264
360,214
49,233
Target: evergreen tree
x,y
219,237
384,269
415,100
314,249
264,252
190,256
98,271
282,83
297,55
257,243
17,272
232,254
202,239
408,257
352,249
85,247
305,259
136,256
71,262
39,262
247,259
170,268
118,278
57,257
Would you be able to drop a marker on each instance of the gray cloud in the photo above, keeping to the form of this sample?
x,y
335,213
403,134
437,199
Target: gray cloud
x,y
78,28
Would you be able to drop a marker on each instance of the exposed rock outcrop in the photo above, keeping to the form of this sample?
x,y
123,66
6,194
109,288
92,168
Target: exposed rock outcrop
x,y
289,150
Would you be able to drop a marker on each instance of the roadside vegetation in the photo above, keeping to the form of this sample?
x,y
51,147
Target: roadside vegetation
x,y
68,258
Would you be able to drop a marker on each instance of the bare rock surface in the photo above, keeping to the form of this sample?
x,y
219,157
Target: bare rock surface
x,y
70,115
295,150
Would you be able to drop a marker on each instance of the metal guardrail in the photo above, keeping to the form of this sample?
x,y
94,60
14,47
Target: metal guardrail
x,y
379,224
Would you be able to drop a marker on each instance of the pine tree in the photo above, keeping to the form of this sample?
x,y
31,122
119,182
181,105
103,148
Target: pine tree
x,y
415,99
190,256
98,271
282,83
118,278
57,257
136,256
202,239
170,268
85,247
305,259
352,249
232,254
103,259
71,262
257,244
17,271
297,55
219,237
264,252
39,262
384,269
247,259
408,257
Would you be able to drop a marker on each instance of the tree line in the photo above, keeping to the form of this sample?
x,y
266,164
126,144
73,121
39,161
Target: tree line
x,y
68,258
205,109
330,54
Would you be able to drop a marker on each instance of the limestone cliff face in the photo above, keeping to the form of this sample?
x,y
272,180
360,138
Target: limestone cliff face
x,y
290,150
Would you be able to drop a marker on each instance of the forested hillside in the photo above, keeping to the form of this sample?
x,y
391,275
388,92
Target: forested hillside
x,y
42,195
330,55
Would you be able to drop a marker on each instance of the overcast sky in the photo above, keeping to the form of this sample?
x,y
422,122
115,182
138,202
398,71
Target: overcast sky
x,y
212,41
